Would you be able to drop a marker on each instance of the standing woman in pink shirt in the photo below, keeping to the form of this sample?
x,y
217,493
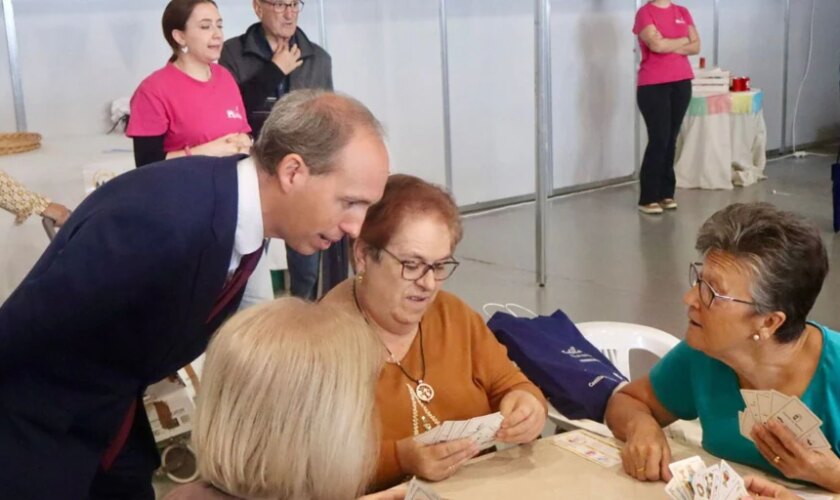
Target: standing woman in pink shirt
x,y
192,105
667,37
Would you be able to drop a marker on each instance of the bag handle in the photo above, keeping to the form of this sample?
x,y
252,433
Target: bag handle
x,y
500,307
510,305
508,308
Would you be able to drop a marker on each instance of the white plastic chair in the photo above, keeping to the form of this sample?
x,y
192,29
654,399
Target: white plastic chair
x,y
615,340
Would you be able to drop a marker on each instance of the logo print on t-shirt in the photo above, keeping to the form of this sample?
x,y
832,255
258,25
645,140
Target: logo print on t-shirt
x,y
680,20
233,114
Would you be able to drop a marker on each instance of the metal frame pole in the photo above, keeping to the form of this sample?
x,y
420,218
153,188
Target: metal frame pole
x,y
637,122
544,134
785,64
716,53
322,24
444,73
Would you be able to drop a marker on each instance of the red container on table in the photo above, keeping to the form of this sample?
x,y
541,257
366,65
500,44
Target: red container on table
x,y
739,84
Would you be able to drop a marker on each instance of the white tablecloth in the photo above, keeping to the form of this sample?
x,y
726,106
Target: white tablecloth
x,y
65,169
722,142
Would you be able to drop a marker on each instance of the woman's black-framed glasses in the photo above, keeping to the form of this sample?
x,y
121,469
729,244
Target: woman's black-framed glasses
x,y
413,270
707,293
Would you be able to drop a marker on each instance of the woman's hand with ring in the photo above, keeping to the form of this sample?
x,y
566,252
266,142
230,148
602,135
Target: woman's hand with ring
x,y
646,454
780,447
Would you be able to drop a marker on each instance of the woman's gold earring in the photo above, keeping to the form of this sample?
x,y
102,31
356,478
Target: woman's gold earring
x,y
360,277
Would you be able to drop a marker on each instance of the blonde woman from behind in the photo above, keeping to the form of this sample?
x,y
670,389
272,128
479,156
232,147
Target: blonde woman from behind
x,y
285,408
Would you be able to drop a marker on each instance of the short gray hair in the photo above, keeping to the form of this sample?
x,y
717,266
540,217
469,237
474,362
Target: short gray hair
x,y
316,124
784,252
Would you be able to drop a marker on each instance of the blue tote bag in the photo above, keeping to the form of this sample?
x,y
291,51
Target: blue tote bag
x,y
576,378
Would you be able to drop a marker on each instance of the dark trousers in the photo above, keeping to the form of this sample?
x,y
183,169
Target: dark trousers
x,y
303,269
663,107
303,273
130,476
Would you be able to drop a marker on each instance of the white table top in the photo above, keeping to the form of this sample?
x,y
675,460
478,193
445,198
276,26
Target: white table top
x,y
543,470
57,170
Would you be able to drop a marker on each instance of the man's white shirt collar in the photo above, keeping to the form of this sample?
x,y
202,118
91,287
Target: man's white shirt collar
x,y
249,233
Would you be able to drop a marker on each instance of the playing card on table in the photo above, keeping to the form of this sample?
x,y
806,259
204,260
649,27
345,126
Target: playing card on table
x,y
589,446
418,490
797,417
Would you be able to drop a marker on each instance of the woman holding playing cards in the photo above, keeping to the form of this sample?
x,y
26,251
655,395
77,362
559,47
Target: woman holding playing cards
x,y
761,273
442,363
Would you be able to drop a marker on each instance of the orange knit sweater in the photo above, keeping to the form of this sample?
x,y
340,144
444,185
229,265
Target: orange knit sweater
x,y
465,364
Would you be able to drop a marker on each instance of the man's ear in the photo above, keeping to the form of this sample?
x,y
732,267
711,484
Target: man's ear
x,y
292,172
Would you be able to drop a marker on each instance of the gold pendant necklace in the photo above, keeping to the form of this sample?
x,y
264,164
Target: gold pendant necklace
x,y
423,391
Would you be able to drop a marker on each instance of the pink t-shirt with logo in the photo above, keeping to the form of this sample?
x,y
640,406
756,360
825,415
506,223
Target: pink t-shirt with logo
x,y
188,112
672,22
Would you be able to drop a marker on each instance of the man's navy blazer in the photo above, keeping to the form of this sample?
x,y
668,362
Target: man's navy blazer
x,y
119,300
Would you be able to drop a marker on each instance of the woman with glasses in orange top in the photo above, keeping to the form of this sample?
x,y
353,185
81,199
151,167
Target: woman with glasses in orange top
x,y
442,363
748,304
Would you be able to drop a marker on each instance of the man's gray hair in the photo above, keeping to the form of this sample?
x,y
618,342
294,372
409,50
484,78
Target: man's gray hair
x,y
316,124
784,252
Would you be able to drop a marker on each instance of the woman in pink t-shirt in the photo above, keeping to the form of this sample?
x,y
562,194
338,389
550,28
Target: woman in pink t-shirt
x,y
667,37
192,105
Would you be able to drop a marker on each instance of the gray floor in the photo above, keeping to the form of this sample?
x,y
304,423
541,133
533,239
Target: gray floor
x,y
607,261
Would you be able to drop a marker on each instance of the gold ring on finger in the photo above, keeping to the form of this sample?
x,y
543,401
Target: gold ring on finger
x,y
777,459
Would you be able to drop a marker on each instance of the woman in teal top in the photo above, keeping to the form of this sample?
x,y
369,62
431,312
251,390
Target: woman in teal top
x,y
761,273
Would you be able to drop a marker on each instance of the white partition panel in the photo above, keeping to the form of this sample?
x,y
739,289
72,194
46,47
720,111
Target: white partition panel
x,y
491,58
77,57
818,117
594,95
387,54
752,44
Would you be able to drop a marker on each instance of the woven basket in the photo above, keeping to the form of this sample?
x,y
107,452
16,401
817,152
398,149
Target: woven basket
x,y
18,142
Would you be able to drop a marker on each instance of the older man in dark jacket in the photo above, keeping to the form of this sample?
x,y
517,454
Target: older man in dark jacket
x,y
271,58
